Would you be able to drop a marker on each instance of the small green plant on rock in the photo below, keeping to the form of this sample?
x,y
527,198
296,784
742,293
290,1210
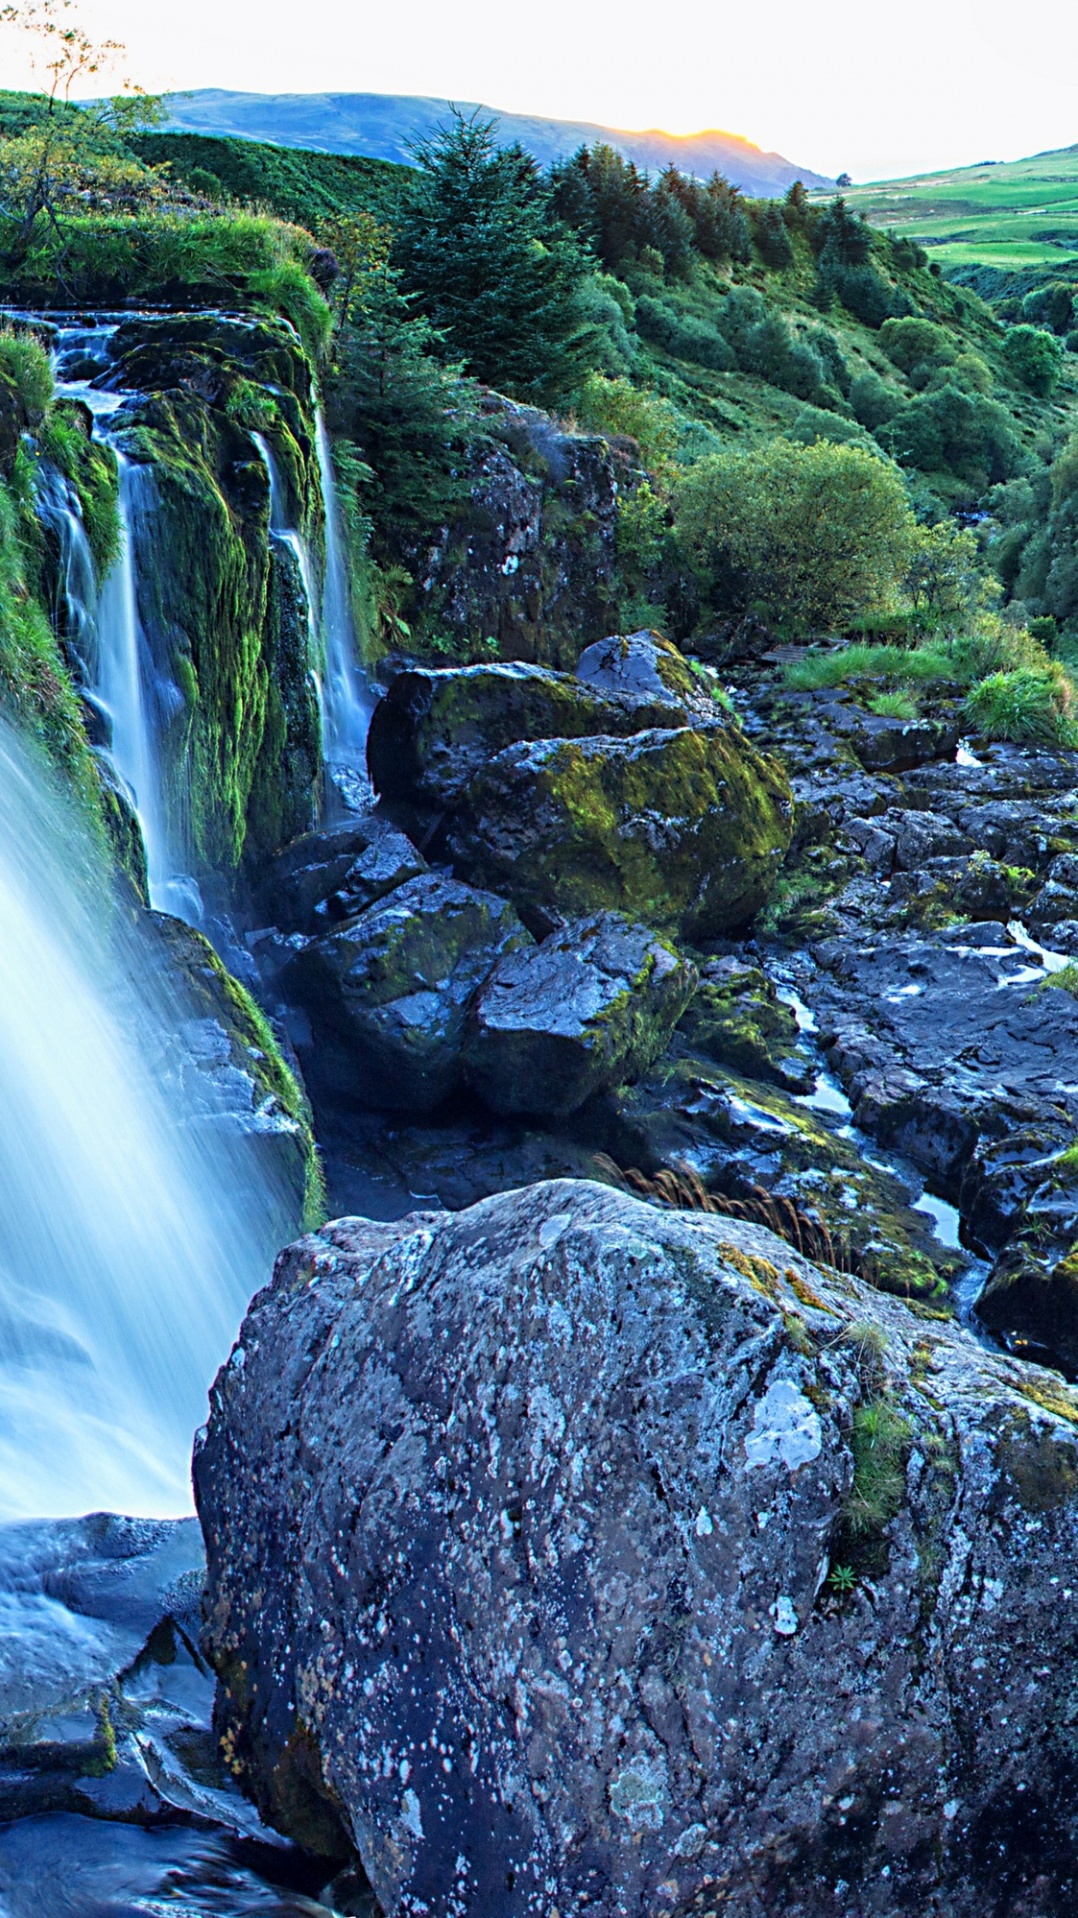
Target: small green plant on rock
x,y
881,1441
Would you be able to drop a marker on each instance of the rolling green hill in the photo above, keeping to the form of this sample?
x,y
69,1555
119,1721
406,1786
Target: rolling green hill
x,y
1018,215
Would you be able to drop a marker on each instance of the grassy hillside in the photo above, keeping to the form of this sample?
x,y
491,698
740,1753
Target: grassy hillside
x,y
386,126
302,187
1016,215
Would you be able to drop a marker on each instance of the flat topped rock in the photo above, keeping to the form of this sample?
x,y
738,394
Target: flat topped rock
x,y
642,664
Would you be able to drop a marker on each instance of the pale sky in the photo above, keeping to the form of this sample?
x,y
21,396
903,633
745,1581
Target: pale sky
x,y
874,90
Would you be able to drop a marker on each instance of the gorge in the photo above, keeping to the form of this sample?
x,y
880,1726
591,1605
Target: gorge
x,y
606,904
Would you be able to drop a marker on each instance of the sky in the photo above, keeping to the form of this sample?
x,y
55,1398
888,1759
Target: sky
x,y
876,91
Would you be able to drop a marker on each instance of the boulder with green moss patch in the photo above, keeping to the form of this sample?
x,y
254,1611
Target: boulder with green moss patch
x,y
388,992
592,1006
685,830
437,728
569,1554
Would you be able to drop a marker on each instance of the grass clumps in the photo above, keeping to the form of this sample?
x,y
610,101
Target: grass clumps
x,y
1032,706
1009,686
881,1441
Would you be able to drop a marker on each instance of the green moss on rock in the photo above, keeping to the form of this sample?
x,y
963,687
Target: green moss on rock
x,y
685,829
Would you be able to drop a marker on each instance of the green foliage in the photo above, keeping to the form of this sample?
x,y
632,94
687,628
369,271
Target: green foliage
x,y
616,407
606,307
497,275
301,188
410,416
881,1440
626,219
1031,706
873,402
34,685
1051,306
770,235
913,343
944,582
816,534
25,370
1034,357
682,334
955,435
898,705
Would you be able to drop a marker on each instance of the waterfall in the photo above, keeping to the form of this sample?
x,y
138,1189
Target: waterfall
x,y
343,699
346,702
129,1223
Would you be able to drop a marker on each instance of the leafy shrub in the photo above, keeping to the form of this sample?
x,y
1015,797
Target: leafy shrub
x,y
25,368
607,309
817,533
1051,306
683,335
1034,357
951,432
915,342
771,351
872,401
616,406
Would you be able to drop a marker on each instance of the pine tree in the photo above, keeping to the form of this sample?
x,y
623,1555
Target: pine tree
x,y
496,273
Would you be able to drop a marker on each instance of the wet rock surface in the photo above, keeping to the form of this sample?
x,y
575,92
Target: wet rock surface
x,y
591,1007
388,991
715,1595
112,1787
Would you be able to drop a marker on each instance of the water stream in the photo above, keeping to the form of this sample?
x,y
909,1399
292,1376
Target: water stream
x,y
131,1232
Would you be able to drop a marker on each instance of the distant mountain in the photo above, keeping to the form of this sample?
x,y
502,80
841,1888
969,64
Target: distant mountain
x,y
386,126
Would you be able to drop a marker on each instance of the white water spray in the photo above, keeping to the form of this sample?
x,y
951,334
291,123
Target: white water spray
x,y
347,704
132,1231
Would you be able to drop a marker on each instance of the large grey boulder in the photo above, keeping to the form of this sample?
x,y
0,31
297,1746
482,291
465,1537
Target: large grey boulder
x,y
388,992
593,1005
438,726
330,875
578,1556
643,665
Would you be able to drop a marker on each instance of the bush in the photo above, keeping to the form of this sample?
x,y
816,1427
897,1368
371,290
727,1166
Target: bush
x,y
817,534
25,369
962,434
1034,357
616,406
1029,707
1051,306
683,335
915,342
607,309
872,401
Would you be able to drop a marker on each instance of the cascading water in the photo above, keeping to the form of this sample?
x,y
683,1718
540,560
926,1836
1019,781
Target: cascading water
x,y
120,677
132,1232
346,702
343,699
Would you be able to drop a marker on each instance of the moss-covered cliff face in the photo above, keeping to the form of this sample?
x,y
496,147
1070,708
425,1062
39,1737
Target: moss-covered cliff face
x,y
221,598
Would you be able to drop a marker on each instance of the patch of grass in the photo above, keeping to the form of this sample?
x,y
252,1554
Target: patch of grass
x,y
893,706
881,1442
1029,707
862,659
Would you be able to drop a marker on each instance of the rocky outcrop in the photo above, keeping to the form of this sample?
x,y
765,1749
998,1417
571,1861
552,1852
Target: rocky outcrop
x,y
530,562
437,728
222,602
330,875
223,1053
569,1554
590,1008
642,665
683,829
388,991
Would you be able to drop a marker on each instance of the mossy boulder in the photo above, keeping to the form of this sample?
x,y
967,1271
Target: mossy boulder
x,y
592,1006
643,665
736,1019
437,728
685,830
225,1041
388,993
